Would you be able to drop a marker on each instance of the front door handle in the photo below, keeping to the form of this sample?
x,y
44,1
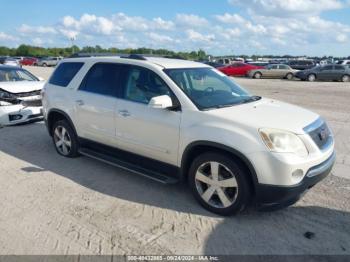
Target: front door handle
x,y
79,102
124,113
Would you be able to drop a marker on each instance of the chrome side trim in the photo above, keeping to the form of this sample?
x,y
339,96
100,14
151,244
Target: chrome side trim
x,y
324,166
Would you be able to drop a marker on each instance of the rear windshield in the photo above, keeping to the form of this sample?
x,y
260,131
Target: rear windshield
x,y
64,73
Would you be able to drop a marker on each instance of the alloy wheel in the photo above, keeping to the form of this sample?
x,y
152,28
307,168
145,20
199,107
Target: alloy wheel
x,y
216,184
311,78
62,140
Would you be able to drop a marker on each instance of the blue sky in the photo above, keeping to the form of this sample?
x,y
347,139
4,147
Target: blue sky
x,y
297,27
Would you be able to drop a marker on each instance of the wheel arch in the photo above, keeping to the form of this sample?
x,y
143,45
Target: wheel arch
x,y
257,72
199,147
55,115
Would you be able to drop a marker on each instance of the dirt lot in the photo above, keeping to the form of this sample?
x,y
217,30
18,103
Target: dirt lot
x,y
53,205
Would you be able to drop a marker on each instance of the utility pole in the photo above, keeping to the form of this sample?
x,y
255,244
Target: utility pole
x,y
72,39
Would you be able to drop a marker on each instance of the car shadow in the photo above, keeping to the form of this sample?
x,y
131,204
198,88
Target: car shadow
x,y
32,144
297,230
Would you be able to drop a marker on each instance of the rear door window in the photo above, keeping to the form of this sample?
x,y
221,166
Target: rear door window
x,y
102,79
339,68
64,73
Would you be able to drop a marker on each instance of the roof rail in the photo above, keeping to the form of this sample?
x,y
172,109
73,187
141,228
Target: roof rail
x,y
134,56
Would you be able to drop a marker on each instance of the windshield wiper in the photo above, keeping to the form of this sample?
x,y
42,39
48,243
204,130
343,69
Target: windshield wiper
x,y
243,101
251,99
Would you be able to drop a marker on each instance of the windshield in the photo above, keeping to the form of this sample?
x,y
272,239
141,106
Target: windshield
x,y
209,88
9,75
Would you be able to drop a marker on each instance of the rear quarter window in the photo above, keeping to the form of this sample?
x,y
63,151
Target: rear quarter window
x,y
64,73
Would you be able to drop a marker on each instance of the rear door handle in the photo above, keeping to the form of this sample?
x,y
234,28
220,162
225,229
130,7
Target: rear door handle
x,y
79,102
124,113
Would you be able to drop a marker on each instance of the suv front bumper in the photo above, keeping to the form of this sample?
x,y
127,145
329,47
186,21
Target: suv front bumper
x,y
270,197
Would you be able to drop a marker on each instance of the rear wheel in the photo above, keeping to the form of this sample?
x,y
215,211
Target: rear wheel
x,y
44,65
65,139
345,78
289,76
219,184
311,78
257,75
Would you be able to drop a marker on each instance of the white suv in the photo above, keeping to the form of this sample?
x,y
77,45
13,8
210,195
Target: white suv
x,y
173,120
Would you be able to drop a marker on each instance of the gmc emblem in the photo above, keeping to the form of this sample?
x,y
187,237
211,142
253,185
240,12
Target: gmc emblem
x,y
323,134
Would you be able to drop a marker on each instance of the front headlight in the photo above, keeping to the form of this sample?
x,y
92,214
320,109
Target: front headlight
x,y
283,141
6,95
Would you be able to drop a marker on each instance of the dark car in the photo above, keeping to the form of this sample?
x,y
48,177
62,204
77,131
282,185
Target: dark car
x,y
214,64
301,64
3,59
327,72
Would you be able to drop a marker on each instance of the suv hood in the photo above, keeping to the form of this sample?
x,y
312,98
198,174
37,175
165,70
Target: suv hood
x,y
21,86
268,113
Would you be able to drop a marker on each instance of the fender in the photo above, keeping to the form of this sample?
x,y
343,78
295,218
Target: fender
x,y
66,116
231,150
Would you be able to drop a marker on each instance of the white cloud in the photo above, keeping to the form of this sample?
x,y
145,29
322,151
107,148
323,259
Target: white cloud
x,y
191,20
195,36
282,8
342,38
89,24
160,38
69,33
26,29
130,23
230,18
159,23
7,37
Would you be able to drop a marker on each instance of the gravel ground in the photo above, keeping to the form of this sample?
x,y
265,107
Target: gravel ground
x,y
54,205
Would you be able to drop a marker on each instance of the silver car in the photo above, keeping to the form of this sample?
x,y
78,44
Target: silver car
x,y
273,71
48,61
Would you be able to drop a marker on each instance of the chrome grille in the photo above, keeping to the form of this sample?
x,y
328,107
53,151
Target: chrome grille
x,y
320,133
33,93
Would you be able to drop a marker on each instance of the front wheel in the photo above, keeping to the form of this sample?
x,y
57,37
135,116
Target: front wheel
x,y
219,184
311,78
345,78
257,75
65,139
289,76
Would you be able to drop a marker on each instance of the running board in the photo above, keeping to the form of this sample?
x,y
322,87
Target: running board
x,y
164,179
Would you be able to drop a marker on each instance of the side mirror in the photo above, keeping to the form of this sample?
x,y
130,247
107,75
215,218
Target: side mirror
x,y
40,78
161,102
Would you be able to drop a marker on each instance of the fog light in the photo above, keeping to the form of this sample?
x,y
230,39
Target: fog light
x,y
15,117
298,173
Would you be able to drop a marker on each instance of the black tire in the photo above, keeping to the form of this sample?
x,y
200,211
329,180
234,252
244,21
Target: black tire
x,y
257,75
73,150
44,65
243,192
289,76
311,77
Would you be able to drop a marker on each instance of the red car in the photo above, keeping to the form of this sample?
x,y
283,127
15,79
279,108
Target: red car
x,y
28,61
238,69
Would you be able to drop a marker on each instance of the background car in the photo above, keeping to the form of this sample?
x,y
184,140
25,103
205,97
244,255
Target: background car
x,y
3,59
20,99
258,63
11,62
301,64
327,72
238,69
273,71
214,64
343,62
29,61
48,61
